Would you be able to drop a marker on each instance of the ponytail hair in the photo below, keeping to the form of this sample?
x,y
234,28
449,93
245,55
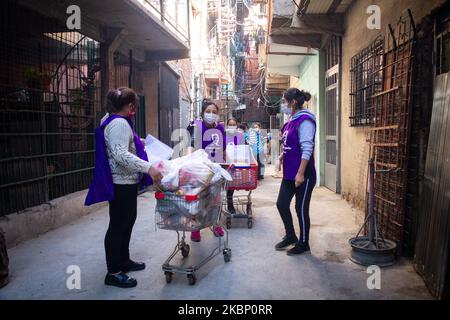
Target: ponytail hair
x,y
299,96
117,99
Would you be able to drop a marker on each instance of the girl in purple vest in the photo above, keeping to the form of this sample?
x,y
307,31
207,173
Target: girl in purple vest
x,y
120,166
299,173
208,134
234,136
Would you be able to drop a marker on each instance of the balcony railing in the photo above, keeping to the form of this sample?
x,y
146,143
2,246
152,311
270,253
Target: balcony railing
x,y
174,14
213,68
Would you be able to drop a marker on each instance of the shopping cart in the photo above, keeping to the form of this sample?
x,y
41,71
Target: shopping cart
x,y
245,178
191,213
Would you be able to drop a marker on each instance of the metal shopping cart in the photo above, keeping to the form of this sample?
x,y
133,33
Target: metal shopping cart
x,y
245,178
191,213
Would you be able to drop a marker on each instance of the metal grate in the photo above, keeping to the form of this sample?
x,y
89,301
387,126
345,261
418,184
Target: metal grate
x,y
333,52
390,133
127,74
366,80
49,99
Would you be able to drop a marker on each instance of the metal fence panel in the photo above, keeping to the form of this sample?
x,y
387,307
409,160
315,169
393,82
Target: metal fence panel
x,y
390,133
49,97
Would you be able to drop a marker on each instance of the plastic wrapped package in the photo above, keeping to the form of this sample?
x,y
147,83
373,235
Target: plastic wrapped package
x,y
195,175
188,208
191,174
192,191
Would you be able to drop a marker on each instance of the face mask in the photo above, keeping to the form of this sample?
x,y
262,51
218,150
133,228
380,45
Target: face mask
x,y
285,109
211,118
232,129
132,112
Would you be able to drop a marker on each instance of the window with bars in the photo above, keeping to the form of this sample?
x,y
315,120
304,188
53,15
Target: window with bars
x,y
366,80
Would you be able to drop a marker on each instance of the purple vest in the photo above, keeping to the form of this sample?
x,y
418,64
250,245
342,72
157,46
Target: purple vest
x,y
235,139
212,140
292,150
102,186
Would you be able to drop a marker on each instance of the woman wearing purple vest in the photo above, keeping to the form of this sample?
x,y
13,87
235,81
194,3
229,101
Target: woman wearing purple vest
x,y
234,137
299,173
120,166
209,135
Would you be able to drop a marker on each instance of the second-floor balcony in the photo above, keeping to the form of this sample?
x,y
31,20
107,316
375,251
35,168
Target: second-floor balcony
x,y
174,14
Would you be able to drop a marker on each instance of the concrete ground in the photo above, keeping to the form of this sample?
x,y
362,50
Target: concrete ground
x,y
256,271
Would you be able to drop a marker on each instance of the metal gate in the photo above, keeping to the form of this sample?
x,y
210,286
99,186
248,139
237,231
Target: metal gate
x,y
169,109
390,133
49,99
432,252
332,115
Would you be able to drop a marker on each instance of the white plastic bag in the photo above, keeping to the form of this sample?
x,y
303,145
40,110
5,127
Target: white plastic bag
x,y
156,150
240,154
190,174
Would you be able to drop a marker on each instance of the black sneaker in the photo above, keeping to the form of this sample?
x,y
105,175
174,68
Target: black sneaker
x,y
120,280
299,248
133,266
286,242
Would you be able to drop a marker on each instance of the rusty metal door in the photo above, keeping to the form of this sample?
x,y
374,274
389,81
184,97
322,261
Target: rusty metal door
x,y
432,252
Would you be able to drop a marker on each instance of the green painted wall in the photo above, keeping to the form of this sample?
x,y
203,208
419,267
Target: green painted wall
x,y
311,74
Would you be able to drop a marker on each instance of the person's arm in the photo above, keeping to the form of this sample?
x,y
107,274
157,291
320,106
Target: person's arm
x,y
306,133
118,135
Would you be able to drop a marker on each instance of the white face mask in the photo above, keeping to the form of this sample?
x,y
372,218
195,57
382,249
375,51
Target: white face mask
x,y
211,118
232,129
285,109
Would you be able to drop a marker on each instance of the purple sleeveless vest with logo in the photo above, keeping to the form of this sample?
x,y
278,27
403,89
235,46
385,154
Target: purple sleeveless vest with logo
x,y
215,147
102,186
236,138
292,150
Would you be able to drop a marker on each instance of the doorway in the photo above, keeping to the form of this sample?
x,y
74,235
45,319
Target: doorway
x,y
332,114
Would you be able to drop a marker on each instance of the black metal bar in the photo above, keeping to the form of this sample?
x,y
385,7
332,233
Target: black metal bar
x,y
162,10
47,109
130,69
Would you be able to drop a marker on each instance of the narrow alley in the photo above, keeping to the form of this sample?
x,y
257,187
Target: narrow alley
x,y
256,270
187,106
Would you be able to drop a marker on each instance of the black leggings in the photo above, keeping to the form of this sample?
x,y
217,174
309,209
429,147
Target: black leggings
x,y
230,194
302,200
122,214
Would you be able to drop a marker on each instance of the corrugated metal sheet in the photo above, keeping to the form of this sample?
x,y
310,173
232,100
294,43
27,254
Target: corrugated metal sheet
x,y
432,247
